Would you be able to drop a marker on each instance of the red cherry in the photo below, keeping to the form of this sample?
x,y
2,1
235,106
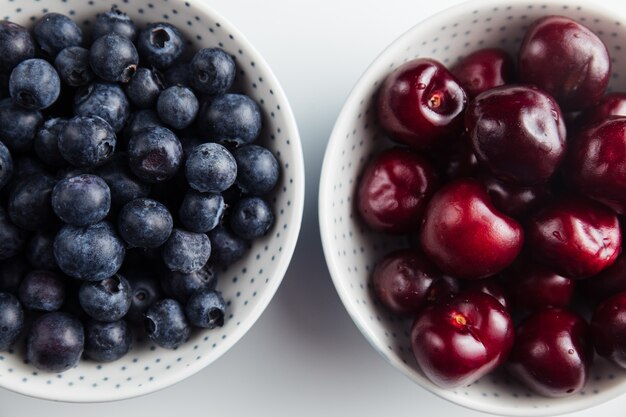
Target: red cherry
x,y
514,200
492,287
608,282
608,329
534,287
613,104
483,70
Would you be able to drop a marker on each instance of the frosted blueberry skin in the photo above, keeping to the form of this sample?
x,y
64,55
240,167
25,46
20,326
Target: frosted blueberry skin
x,y
166,324
177,107
6,165
55,32
29,203
212,71
107,300
160,45
201,212
138,121
106,100
144,87
210,168
81,200
155,154
16,45
145,290
11,320
87,141
34,84
251,217
73,66
113,58
107,342
46,143
226,247
55,342
181,286
145,223
114,21
257,169
42,291
231,119
206,309
18,126
185,251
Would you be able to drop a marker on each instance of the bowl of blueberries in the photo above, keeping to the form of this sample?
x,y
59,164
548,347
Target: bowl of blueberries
x,y
151,194
471,204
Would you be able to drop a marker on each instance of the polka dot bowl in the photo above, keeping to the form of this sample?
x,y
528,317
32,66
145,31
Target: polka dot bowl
x,y
352,250
248,285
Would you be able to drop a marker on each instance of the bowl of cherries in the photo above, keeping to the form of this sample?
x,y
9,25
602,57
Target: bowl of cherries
x,y
471,206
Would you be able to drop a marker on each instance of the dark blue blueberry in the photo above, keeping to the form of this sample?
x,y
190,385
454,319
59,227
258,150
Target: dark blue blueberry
x,y
180,286
42,291
186,251
25,166
210,168
113,58
144,88
90,253
213,71
40,252
177,107
47,143
81,200
6,165
140,120
29,203
124,185
54,32
114,21
155,154
206,309
145,291
12,272
179,74
230,119
34,84
70,172
160,45
72,64
104,100
107,300
11,320
12,238
16,45
87,141
166,324
227,247
107,342
257,169
201,213
18,126
144,223
251,217
55,342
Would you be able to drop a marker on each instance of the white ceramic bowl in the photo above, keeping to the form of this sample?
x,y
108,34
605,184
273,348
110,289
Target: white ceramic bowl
x,y
352,250
248,285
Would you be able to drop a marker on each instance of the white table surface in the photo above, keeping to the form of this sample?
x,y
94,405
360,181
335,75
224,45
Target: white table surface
x,y
304,357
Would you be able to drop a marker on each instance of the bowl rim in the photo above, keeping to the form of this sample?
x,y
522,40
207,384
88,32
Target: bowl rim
x,y
325,215
283,262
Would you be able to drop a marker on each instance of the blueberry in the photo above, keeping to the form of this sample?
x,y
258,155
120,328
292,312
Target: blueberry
x,y
54,32
90,253
16,45
6,165
180,286
210,168
34,84
145,291
124,185
47,142
25,166
186,251
230,119
87,141
155,154
201,213
213,71
206,309
114,21
12,272
40,252
140,120
42,291
257,169
166,324
107,342
177,107
11,320
12,238
144,88
251,217
81,200
72,64
113,58
107,300
227,247
55,342
29,203
190,142
160,45
179,74
144,223
105,100
18,126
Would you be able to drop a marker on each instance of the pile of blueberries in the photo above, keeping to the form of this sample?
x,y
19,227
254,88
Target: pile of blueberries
x,y
128,176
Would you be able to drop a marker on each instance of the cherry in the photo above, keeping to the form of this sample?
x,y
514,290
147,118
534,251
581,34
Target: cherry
x,y
464,234
596,163
514,200
613,104
394,190
457,342
492,287
608,282
457,159
517,132
533,287
608,329
483,70
405,280
574,236
567,60
421,104
552,352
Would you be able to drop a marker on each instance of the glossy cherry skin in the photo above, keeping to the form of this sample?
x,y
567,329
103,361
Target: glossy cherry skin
x,y
512,199
421,104
596,163
608,329
517,132
483,70
613,104
458,342
464,234
552,352
457,159
533,287
567,60
394,190
574,236
405,281
492,287
611,280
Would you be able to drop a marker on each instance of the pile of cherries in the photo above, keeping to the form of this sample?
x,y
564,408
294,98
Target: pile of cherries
x,y
511,185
